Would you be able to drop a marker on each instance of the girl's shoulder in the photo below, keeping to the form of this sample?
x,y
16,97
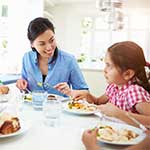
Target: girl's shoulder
x,y
137,90
136,87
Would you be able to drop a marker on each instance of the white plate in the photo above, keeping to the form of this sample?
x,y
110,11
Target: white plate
x,y
120,126
24,128
4,98
78,111
61,98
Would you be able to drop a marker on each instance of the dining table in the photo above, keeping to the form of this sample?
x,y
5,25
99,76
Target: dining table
x,y
67,135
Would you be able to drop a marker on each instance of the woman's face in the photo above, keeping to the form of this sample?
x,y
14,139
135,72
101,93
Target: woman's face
x,y
45,44
112,73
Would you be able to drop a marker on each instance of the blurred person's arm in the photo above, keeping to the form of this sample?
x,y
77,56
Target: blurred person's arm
x,y
143,145
89,139
113,111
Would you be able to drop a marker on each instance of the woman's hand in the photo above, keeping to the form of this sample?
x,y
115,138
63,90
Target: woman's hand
x,y
64,88
89,139
21,84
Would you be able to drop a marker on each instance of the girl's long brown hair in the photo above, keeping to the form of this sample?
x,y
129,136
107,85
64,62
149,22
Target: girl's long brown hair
x,y
129,55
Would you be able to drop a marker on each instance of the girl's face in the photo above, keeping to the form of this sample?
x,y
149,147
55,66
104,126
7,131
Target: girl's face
x,y
112,73
45,44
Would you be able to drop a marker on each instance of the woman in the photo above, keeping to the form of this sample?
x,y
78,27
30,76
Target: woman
x,y
46,67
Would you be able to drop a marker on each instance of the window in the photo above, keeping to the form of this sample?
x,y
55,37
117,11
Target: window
x,y
3,32
100,35
13,31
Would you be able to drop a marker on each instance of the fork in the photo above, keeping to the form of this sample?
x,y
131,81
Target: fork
x,y
40,84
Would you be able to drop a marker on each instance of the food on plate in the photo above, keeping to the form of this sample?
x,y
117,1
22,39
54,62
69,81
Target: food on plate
x,y
52,97
9,124
28,97
4,89
110,134
81,106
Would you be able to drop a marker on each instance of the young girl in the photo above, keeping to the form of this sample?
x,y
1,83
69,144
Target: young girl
x,y
128,86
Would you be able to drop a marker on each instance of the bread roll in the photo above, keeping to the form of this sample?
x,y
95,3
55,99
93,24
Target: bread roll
x,y
4,89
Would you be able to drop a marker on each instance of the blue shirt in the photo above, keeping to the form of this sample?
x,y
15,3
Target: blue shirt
x,y
63,69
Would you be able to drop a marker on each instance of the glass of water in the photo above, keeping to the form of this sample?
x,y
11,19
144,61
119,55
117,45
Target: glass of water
x,y
38,98
52,111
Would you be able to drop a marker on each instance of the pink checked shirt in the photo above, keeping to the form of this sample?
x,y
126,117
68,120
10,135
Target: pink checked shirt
x,y
127,96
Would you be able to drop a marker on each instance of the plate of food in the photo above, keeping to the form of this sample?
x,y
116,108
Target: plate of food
x,y
12,126
28,97
80,108
119,134
57,97
4,94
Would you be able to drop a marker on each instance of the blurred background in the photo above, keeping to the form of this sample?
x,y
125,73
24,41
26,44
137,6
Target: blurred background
x,y
85,28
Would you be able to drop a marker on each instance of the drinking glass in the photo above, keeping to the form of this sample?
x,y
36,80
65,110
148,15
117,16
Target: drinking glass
x,y
38,98
52,111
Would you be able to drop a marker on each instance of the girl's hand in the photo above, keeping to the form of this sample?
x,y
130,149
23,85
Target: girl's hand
x,y
64,88
21,84
89,139
79,94
109,109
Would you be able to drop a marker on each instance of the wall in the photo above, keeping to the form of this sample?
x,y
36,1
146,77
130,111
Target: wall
x,y
20,13
95,80
67,19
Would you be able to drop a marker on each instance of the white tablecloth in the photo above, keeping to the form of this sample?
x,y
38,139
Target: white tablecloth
x,y
67,136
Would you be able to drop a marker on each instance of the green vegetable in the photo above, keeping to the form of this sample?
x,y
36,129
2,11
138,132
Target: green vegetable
x,y
39,84
70,105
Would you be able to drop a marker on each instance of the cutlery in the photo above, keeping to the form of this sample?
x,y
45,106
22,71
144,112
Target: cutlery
x,y
100,115
49,85
103,117
40,84
28,90
2,109
136,122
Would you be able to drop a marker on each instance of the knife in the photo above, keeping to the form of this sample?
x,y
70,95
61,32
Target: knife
x,y
136,122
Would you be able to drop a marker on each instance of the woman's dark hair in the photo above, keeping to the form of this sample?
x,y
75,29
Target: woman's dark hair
x,y
38,26
129,55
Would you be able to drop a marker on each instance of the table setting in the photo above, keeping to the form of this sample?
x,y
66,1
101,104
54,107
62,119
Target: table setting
x,y
54,126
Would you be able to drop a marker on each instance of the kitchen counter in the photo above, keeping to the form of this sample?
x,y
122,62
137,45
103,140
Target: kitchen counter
x,y
9,78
